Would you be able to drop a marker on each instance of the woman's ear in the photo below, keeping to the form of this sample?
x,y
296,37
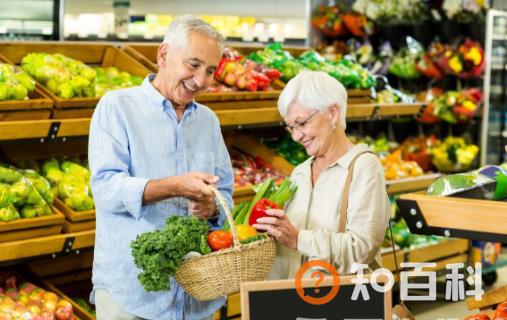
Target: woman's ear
x,y
334,113
161,55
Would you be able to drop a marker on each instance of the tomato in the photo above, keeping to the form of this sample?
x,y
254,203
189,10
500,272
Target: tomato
x,y
501,312
220,239
245,231
479,316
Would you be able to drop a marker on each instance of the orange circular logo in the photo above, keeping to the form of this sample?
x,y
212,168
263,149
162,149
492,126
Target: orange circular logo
x,y
319,277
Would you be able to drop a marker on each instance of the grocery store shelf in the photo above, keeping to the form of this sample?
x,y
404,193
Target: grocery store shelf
x,y
382,110
45,129
55,244
454,217
411,184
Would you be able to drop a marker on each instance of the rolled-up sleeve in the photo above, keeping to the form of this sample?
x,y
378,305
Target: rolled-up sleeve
x,y
114,190
367,218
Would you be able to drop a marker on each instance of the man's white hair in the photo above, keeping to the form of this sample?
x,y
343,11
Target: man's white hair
x,y
315,90
178,30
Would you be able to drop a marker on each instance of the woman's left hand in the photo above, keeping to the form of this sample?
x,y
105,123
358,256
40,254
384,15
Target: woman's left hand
x,y
279,226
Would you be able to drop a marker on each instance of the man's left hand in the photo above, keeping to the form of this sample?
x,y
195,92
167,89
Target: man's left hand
x,y
204,209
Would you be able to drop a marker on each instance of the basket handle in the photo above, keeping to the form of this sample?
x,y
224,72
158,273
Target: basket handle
x,y
222,202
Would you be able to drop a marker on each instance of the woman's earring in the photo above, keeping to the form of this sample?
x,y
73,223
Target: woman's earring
x,y
333,126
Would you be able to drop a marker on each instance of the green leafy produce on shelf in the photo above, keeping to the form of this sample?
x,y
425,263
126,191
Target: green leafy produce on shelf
x,y
349,73
159,253
15,84
288,149
69,78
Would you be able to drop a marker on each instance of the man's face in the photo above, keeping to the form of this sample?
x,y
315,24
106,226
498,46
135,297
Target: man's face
x,y
188,69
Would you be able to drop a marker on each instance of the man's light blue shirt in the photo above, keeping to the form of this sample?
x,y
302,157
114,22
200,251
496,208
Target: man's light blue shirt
x,y
135,136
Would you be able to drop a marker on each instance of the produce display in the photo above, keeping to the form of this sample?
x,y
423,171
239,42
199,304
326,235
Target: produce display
x,y
288,149
159,253
70,182
405,239
450,106
238,73
489,182
68,78
15,84
500,313
334,21
85,305
349,73
23,194
453,154
250,170
30,302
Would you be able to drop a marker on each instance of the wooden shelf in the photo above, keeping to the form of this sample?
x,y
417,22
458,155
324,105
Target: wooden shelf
x,y
382,110
54,244
34,129
411,184
454,217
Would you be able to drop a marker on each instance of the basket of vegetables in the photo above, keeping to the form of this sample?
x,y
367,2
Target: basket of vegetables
x,y
182,249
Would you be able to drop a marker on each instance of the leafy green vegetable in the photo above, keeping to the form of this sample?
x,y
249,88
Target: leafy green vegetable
x,y
159,253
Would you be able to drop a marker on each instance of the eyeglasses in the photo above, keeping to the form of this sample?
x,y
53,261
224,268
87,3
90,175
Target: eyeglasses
x,y
299,125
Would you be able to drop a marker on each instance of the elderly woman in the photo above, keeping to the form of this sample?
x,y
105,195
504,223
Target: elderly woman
x,y
312,227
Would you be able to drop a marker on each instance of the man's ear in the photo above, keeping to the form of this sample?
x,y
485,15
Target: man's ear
x,y
161,55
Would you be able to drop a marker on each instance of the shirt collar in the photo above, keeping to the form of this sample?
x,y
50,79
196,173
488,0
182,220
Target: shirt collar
x,y
157,99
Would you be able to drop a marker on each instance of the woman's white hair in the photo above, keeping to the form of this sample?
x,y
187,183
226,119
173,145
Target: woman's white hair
x,y
178,30
315,90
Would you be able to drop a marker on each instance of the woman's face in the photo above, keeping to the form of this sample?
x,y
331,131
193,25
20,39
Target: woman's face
x,y
312,128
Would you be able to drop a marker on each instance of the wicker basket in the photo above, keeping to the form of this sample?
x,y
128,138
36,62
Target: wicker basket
x,y
221,273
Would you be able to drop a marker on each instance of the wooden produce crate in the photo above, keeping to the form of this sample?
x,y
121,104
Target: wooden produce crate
x,y
147,55
37,107
92,54
254,148
28,228
76,220
25,275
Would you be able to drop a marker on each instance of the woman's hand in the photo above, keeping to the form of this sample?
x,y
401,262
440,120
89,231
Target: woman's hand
x,y
279,226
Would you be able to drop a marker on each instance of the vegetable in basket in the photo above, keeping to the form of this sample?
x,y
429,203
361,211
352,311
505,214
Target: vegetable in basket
x,y
159,253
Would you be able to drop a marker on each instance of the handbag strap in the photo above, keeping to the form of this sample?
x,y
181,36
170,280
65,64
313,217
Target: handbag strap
x,y
345,195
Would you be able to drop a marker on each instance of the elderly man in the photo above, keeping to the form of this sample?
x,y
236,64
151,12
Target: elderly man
x,y
153,152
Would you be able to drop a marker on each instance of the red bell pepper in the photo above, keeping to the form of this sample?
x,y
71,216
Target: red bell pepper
x,y
259,210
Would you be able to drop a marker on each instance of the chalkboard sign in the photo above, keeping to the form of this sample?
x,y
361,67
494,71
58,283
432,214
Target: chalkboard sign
x,y
279,300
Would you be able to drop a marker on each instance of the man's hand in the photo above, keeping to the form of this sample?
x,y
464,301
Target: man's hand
x,y
203,209
195,186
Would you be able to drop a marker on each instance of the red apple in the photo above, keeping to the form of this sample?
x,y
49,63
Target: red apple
x,y
479,316
47,315
12,293
64,310
501,312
